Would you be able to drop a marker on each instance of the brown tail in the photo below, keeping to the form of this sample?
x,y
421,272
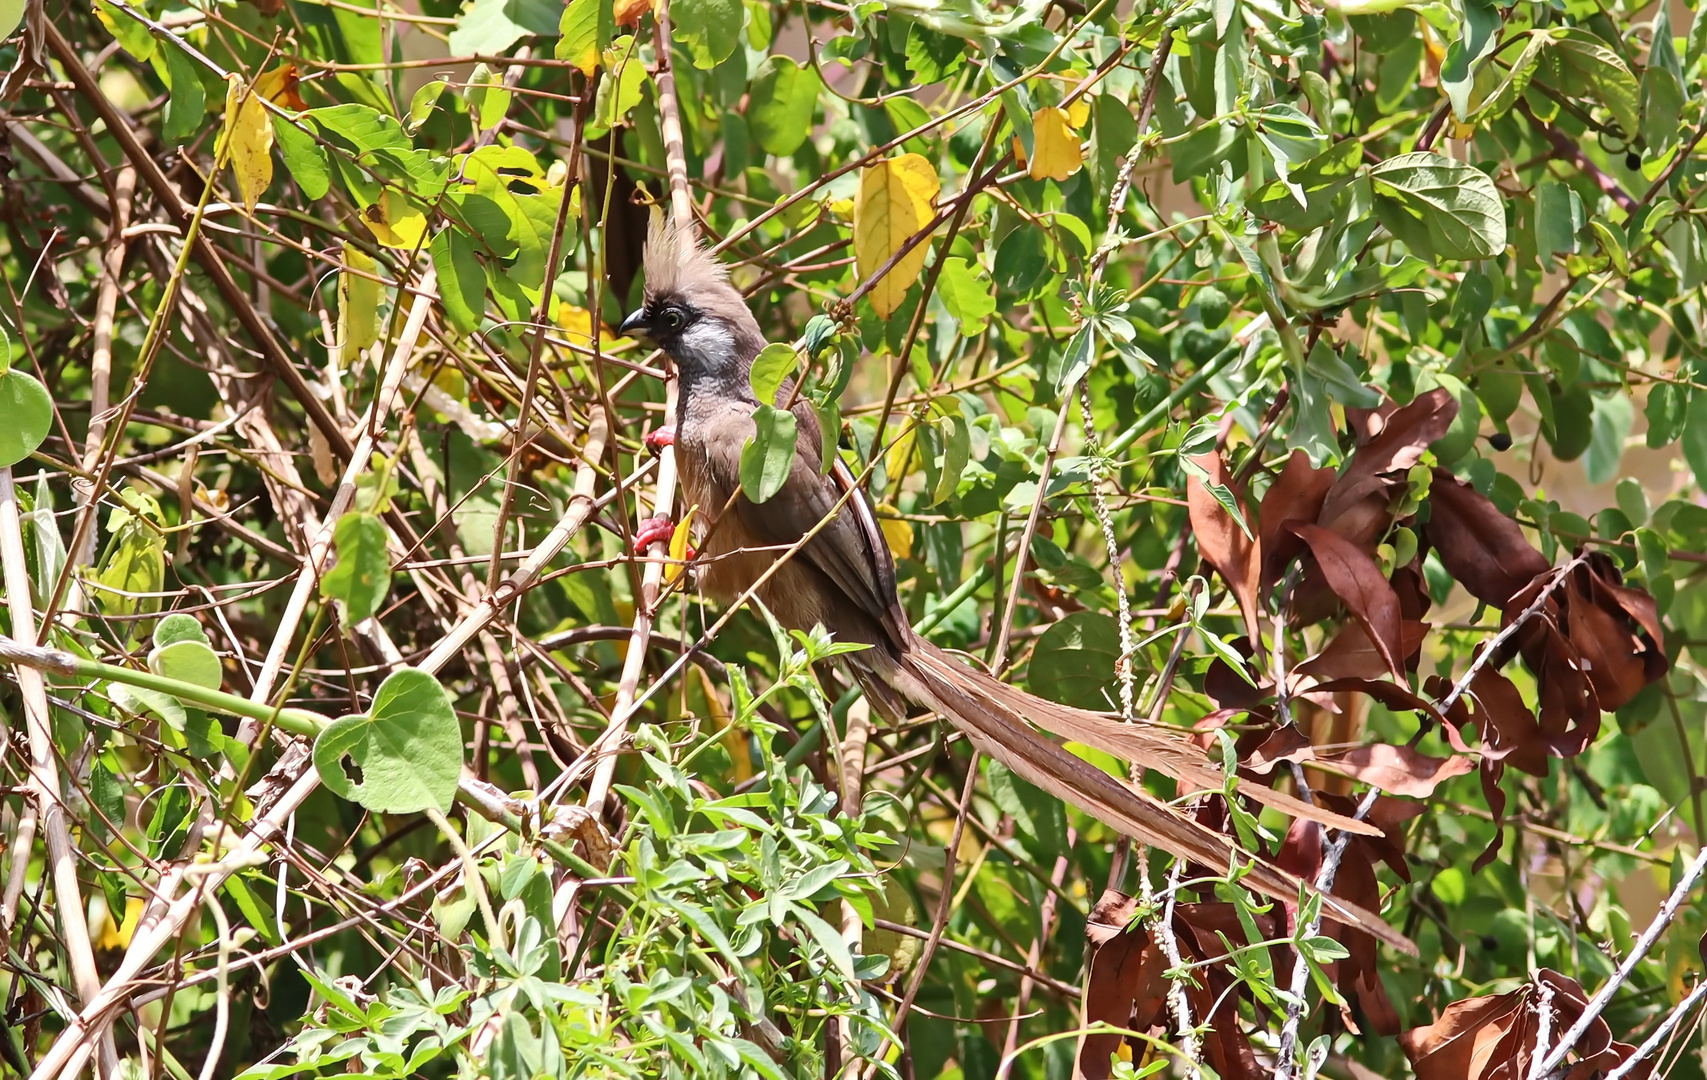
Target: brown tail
x,y
996,718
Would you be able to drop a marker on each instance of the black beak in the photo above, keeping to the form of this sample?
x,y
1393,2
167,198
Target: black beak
x,y
634,323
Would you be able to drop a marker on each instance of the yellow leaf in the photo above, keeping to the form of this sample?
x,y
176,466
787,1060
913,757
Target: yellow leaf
x,y
279,87
899,457
358,302
1056,144
628,12
1078,113
118,937
898,532
394,222
679,548
249,136
577,326
892,206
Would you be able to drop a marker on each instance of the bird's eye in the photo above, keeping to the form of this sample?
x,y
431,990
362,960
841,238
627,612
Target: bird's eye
x,y
674,319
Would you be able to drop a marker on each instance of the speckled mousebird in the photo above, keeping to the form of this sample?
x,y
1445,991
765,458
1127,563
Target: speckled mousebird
x,y
843,577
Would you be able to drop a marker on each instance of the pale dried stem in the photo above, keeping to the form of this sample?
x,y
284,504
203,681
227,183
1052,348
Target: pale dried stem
x,y
1661,1033
1178,1004
581,506
43,781
664,491
101,352
1023,552
1603,997
320,545
851,756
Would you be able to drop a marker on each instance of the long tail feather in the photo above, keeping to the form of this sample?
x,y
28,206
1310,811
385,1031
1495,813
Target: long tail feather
x,y
1169,755
999,729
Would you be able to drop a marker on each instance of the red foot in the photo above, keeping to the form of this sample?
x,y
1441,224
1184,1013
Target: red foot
x,y
658,438
658,530
653,530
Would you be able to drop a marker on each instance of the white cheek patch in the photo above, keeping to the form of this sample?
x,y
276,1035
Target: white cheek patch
x,y
708,342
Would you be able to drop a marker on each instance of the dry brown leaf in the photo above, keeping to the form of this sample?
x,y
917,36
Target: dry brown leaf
x,y
1481,547
1357,506
1356,579
1397,770
1352,655
1494,1038
1295,496
1223,544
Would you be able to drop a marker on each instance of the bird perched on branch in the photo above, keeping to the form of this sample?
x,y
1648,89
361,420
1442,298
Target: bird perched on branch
x,y
843,577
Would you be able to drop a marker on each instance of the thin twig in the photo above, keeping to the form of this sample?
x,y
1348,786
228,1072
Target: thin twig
x,y
1603,997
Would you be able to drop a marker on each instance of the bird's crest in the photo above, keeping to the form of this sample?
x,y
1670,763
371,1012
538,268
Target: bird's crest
x,y
676,261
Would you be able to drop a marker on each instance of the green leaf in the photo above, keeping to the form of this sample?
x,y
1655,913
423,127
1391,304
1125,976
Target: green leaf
x,y
506,197
11,15
623,89
1479,36
1694,433
1508,83
1439,207
1321,179
135,565
186,105
192,662
711,29
582,34
136,39
828,939
462,280
303,156
362,575
1581,65
400,757
1558,216
1613,416
26,414
1204,149
490,27
768,456
178,627
966,293
1667,405
487,97
774,364
359,30
424,101
780,105
1035,813
1074,660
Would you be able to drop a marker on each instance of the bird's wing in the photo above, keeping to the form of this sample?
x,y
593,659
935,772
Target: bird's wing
x,y
849,549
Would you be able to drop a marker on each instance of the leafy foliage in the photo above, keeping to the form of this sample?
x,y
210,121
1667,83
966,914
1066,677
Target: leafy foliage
x,y
1324,384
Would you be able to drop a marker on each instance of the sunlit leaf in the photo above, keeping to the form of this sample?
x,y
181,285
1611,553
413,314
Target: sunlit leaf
x,y
892,207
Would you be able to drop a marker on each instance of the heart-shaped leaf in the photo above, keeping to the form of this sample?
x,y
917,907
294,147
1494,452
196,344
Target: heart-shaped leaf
x,y
400,757
188,661
25,413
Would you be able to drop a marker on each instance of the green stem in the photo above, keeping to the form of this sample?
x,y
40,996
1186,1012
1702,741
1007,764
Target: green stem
x,y
1191,386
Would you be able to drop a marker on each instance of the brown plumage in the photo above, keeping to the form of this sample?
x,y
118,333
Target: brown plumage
x,y
844,578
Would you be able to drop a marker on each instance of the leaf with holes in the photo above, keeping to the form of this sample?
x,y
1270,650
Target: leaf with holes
x,y
403,755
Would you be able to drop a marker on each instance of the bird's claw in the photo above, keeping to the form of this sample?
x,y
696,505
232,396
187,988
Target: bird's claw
x,y
654,530
658,438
